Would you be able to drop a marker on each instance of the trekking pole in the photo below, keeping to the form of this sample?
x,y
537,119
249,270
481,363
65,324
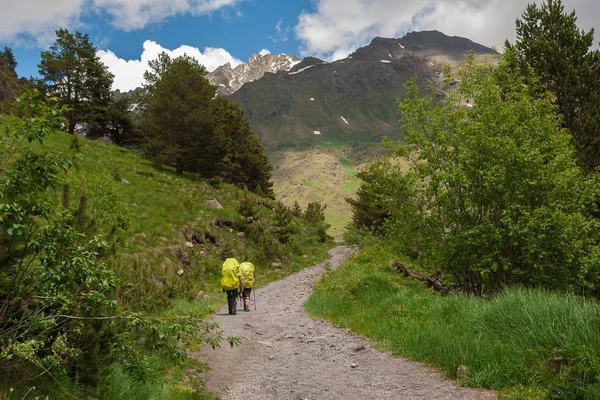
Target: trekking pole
x,y
254,292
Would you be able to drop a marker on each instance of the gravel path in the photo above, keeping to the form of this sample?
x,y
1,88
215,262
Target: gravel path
x,y
287,355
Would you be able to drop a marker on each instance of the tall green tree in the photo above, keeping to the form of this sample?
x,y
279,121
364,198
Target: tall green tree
x,y
8,57
496,196
74,73
177,116
550,44
187,127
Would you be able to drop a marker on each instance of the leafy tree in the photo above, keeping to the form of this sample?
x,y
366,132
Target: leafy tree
x,y
380,192
246,163
177,117
121,128
8,57
496,197
75,74
550,45
284,227
315,216
190,129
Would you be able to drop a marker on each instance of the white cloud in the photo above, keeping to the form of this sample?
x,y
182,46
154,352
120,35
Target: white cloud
x,y
136,14
38,19
282,32
338,27
129,74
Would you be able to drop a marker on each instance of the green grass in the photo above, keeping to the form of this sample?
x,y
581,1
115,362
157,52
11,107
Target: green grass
x,y
353,182
306,183
156,206
505,342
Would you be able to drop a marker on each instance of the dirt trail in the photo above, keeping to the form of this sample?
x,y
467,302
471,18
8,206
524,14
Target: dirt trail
x,y
287,355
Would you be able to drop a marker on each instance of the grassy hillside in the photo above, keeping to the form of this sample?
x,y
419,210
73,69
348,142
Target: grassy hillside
x,y
159,208
320,174
168,250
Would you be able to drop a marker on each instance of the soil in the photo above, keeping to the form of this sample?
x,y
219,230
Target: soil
x,y
285,354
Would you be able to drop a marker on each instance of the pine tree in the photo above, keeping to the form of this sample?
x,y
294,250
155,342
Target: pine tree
x,y
75,74
8,57
550,45
189,128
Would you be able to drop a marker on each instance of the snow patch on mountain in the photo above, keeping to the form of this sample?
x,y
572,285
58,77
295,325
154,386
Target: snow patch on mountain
x,y
301,70
229,80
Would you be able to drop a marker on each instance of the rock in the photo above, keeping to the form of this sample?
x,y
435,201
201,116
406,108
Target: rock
x,y
241,235
213,203
189,244
276,265
353,365
180,272
183,256
304,256
156,281
200,294
284,259
125,182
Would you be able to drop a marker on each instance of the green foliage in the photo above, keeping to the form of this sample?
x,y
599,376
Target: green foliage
x,y
493,194
247,207
296,210
8,57
59,319
188,128
550,44
75,144
121,128
382,190
505,342
75,74
284,227
314,213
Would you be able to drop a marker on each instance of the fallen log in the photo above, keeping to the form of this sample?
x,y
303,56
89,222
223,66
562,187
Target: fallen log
x,y
431,282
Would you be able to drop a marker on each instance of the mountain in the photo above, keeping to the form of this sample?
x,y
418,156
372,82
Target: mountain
x,y
228,79
321,121
353,99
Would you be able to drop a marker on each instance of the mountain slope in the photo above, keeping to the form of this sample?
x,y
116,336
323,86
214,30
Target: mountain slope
x,y
228,79
353,99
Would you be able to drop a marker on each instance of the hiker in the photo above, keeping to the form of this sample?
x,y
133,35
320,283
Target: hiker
x,y
230,282
247,279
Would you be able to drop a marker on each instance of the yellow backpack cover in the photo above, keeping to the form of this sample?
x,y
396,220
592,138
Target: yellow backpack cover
x,y
247,274
230,273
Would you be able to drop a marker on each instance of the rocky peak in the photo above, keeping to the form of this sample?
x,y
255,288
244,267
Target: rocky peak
x,y
228,79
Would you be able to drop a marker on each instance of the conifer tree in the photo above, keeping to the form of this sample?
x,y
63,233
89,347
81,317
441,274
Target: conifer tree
x,y
550,44
8,57
75,74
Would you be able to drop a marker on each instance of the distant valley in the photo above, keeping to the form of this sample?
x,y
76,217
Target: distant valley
x,y
320,121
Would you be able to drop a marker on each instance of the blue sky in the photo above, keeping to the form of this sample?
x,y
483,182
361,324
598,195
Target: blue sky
x,y
130,32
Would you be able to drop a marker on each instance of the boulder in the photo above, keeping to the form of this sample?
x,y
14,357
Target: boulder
x,y
213,203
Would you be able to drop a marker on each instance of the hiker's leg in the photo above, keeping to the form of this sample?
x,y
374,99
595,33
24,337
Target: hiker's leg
x,y
231,300
247,292
234,300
